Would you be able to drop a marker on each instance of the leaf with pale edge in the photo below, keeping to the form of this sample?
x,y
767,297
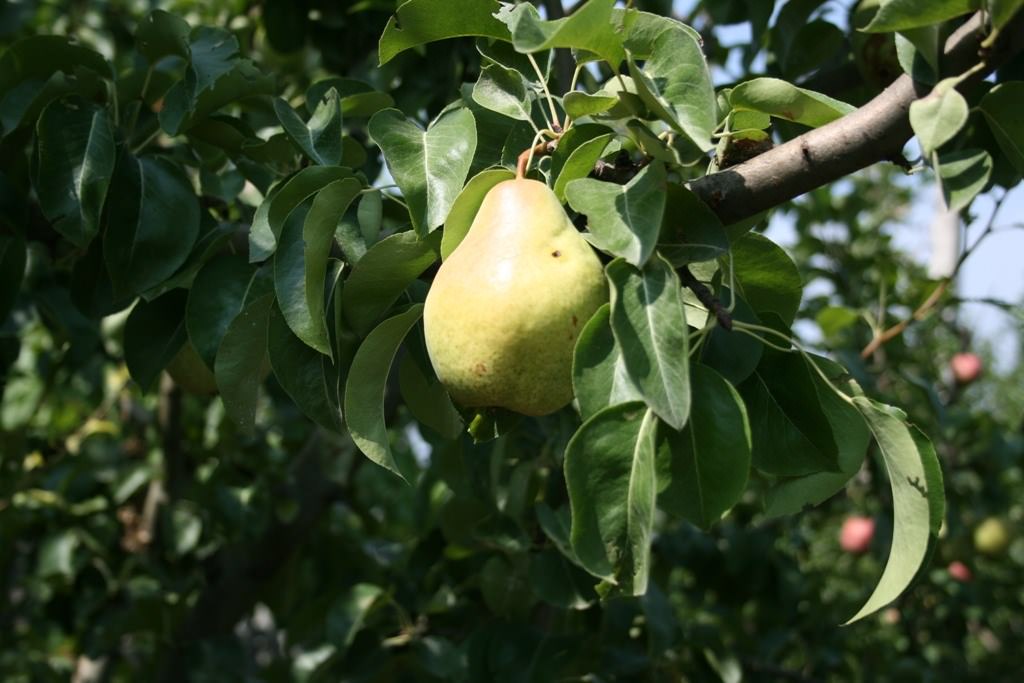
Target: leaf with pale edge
x,y
917,494
649,325
623,220
610,475
429,166
417,22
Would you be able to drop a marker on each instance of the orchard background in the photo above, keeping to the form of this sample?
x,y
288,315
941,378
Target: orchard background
x,y
234,522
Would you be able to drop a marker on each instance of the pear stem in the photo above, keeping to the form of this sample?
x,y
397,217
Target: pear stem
x,y
526,156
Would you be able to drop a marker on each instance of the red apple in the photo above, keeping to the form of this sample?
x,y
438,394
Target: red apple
x,y
959,571
966,367
856,534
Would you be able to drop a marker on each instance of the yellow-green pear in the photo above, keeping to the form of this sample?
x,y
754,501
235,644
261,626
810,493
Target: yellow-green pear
x,y
503,314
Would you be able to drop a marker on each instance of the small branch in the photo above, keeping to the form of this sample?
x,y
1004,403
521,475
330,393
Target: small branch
x,y
705,296
933,299
919,314
169,422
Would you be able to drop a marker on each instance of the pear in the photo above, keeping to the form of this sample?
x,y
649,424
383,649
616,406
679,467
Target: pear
x,y
505,308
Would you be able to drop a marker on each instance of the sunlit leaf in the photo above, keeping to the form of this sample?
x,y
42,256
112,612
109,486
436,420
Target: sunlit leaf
x,y
917,495
423,21
649,324
429,166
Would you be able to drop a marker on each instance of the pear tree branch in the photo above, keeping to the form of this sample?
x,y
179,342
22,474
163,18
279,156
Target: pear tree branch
x,y
875,132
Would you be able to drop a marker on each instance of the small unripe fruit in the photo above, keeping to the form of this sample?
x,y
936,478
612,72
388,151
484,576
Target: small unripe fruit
x,y
856,534
959,571
966,367
991,537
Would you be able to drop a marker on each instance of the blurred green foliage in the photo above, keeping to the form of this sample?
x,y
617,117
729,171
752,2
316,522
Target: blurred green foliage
x,y
143,537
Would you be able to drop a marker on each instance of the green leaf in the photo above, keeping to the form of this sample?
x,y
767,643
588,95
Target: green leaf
x,y
649,325
732,354
12,270
465,206
357,99
320,138
306,375
186,527
559,583
36,70
153,224
938,117
644,28
675,83
963,174
793,434
815,43
367,380
610,475
917,496
242,360
153,334
675,150
504,91
579,104
768,278
599,377
75,157
589,29
217,295
417,22
300,263
215,77
57,554
709,460
346,616
578,160
429,166
690,231
1002,11
161,34
790,495
624,220
1001,106
382,274
504,588
786,101
917,51
424,395
274,209
896,15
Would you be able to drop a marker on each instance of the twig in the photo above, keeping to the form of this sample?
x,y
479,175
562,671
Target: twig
x,y
705,296
541,148
922,311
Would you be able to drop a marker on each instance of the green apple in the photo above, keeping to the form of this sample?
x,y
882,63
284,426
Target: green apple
x,y
992,536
